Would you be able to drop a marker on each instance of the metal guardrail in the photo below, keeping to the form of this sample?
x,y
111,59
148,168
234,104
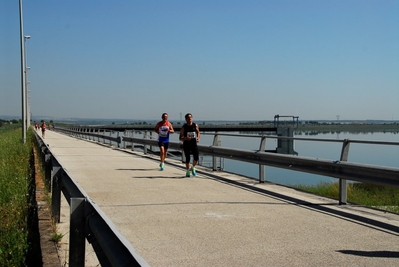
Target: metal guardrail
x,y
87,220
340,169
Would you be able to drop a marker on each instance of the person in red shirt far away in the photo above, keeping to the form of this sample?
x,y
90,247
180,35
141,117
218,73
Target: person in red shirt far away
x,y
43,126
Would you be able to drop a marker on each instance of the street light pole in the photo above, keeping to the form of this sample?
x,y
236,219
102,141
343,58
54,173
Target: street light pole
x,y
27,99
23,70
28,116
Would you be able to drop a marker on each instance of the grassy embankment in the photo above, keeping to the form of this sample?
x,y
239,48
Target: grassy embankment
x,y
380,197
15,195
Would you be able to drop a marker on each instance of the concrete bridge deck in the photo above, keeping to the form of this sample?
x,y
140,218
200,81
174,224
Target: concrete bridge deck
x,y
219,219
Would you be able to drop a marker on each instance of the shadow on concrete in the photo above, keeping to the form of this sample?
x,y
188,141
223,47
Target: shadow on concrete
x,y
373,254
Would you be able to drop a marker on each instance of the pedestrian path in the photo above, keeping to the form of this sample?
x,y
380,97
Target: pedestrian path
x,y
221,219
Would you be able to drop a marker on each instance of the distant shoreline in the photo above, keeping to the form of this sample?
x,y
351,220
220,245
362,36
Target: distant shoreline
x,y
356,126
350,128
307,128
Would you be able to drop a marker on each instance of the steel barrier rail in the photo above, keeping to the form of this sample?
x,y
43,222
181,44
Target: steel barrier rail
x,y
81,131
343,187
306,139
340,169
91,134
87,220
333,168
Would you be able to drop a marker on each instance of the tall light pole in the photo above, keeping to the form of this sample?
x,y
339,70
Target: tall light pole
x,y
23,70
28,113
27,99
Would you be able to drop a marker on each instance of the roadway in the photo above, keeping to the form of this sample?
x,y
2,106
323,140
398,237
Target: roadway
x,y
218,218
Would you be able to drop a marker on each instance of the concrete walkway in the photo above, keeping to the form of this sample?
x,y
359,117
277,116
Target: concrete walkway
x,y
220,219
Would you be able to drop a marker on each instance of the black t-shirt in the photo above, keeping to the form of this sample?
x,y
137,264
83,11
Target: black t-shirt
x,y
190,131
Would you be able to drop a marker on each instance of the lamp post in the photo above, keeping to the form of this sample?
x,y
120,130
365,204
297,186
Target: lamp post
x,y
27,99
23,70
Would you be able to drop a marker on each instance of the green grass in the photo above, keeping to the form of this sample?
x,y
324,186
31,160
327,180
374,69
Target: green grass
x,y
9,127
376,196
56,237
15,175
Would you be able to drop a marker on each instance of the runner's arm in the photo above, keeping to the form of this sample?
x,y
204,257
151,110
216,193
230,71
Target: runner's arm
x,y
156,129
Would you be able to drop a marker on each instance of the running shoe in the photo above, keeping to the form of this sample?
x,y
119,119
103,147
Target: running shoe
x,y
162,166
194,171
188,173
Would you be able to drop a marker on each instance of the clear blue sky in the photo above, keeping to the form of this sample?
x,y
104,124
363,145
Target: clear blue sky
x,y
218,59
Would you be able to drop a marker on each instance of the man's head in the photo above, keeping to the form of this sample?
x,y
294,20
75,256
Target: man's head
x,y
188,117
165,116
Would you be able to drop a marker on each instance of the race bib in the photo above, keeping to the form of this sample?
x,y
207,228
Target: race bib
x,y
192,134
163,131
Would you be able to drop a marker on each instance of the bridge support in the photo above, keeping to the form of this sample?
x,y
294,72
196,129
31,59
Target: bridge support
x,y
285,146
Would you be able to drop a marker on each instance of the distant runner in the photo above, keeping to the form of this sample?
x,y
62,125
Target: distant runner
x,y
43,126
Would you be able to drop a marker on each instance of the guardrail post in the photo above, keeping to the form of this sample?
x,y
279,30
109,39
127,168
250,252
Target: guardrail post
x,y
145,137
77,232
262,147
47,169
119,139
132,141
216,142
151,148
343,186
125,133
56,192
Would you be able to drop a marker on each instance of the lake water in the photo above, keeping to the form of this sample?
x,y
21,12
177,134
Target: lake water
x,y
375,154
